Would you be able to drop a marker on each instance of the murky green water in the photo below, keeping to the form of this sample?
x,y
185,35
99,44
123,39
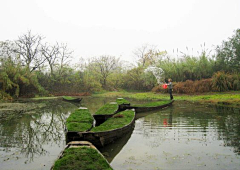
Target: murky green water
x,y
183,136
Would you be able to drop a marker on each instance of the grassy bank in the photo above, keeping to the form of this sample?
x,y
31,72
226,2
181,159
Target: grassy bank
x,y
227,98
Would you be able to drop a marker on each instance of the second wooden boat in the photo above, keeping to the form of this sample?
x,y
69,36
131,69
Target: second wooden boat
x,y
72,99
112,129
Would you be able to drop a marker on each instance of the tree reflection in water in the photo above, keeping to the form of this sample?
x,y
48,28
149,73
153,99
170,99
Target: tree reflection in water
x,y
28,133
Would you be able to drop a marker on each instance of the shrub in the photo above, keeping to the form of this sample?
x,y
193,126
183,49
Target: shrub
x,y
221,82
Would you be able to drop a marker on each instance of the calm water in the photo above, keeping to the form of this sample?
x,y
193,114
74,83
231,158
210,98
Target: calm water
x,y
183,136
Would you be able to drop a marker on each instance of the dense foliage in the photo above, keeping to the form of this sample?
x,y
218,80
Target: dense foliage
x,y
30,67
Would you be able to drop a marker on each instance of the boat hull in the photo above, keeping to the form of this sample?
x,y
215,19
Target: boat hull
x,y
146,109
77,100
101,139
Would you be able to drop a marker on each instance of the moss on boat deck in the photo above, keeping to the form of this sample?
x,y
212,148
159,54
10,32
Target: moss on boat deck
x,y
122,101
153,104
119,120
83,158
80,120
107,109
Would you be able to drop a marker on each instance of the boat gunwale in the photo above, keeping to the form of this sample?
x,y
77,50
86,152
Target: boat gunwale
x,y
102,132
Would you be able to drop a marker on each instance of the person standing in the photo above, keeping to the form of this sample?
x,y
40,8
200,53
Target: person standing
x,y
170,88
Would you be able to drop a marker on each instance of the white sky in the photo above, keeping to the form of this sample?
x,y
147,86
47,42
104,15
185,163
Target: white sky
x,y
117,27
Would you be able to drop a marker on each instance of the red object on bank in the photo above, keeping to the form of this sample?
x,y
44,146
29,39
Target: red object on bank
x,y
164,86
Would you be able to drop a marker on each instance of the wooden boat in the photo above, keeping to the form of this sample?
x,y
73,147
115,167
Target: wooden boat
x,y
122,104
140,108
72,99
105,112
80,120
102,138
81,155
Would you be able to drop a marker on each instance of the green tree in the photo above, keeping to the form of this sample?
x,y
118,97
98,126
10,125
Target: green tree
x,y
228,54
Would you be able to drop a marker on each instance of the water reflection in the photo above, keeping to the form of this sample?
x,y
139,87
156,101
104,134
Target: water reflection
x,y
184,136
27,135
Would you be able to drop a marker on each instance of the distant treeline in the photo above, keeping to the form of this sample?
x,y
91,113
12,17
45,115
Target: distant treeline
x,y
29,66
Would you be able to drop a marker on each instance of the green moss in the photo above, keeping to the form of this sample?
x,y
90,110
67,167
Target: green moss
x,y
80,115
69,98
122,101
78,127
108,109
154,104
119,120
83,158
80,120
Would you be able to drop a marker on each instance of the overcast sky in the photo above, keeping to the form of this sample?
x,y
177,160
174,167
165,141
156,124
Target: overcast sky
x,y
117,27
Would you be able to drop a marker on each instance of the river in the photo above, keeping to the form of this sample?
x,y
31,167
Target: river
x,y
183,136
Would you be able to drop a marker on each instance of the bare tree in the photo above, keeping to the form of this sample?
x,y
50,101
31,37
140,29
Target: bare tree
x,y
7,51
28,47
65,56
148,55
105,65
51,54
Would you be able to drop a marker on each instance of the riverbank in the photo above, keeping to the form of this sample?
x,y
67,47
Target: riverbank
x,y
231,99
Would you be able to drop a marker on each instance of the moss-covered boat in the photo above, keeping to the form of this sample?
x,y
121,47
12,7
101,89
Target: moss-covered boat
x,y
81,155
112,129
105,112
150,106
80,120
72,99
122,104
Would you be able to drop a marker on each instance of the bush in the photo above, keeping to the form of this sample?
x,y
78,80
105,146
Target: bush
x,y
188,87
221,82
